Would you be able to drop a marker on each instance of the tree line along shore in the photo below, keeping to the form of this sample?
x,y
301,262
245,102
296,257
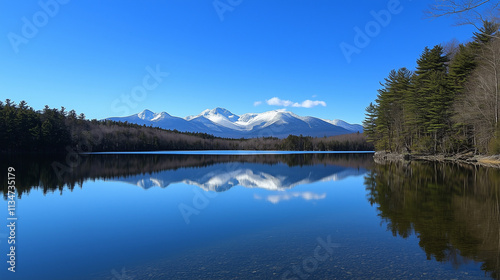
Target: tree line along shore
x,y
26,130
448,108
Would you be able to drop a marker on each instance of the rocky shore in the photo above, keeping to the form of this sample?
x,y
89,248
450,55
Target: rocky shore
x,y
465,158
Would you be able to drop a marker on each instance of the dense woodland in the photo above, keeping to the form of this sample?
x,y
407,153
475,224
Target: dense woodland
x,y
25,130
449,104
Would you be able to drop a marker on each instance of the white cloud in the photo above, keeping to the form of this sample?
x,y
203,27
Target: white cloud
x,y
257,103
275,101
310,103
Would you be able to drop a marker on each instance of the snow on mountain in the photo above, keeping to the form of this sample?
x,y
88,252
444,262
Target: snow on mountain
x,y
146,115
220,113
266,119
348,126
219,116
221,122
161,116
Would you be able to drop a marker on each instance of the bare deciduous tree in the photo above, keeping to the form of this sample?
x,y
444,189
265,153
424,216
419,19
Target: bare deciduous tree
x,y
480,106
451,48
473,12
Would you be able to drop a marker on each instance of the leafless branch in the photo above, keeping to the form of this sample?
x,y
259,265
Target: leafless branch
x,y
473,12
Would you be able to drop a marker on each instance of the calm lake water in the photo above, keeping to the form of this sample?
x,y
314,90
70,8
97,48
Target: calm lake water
x,y
251,216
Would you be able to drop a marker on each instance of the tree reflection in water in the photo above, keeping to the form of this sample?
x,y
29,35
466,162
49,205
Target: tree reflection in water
x,y
452,209
39,173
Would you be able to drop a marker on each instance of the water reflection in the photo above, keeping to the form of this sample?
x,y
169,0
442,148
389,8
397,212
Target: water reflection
x,y
210,172
223,176
453,210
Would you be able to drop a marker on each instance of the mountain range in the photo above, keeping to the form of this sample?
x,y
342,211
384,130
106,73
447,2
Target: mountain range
x,y
221,122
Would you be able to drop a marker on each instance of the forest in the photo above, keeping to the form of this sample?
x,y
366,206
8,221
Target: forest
x,y
448,105
26,130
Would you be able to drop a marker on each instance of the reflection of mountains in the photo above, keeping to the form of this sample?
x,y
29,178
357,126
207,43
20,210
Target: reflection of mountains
x,y
216,172
222,177
453,210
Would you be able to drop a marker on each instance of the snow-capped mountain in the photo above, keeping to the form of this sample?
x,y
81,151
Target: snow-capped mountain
x,y
348,126
222,123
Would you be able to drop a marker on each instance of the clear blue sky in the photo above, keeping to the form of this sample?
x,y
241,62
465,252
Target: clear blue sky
x,y
92,55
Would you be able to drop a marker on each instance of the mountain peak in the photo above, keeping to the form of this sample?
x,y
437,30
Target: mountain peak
x,y
346,125
217,111
146,115
160,116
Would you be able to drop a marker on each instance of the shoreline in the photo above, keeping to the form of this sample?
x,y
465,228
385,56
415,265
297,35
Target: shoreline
x,y
466,158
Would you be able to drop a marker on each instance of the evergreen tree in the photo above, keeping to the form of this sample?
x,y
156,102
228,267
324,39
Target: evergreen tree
x,y
432,98
390,109
47,134
460,68
369,123
445,106
486,33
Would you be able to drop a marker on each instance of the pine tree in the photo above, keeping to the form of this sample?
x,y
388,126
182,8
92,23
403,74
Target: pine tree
x,y
388,114
47,133
486,33
369,123
460,68
432,97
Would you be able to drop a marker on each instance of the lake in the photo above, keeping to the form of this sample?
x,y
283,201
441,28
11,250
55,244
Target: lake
x,y
250,216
